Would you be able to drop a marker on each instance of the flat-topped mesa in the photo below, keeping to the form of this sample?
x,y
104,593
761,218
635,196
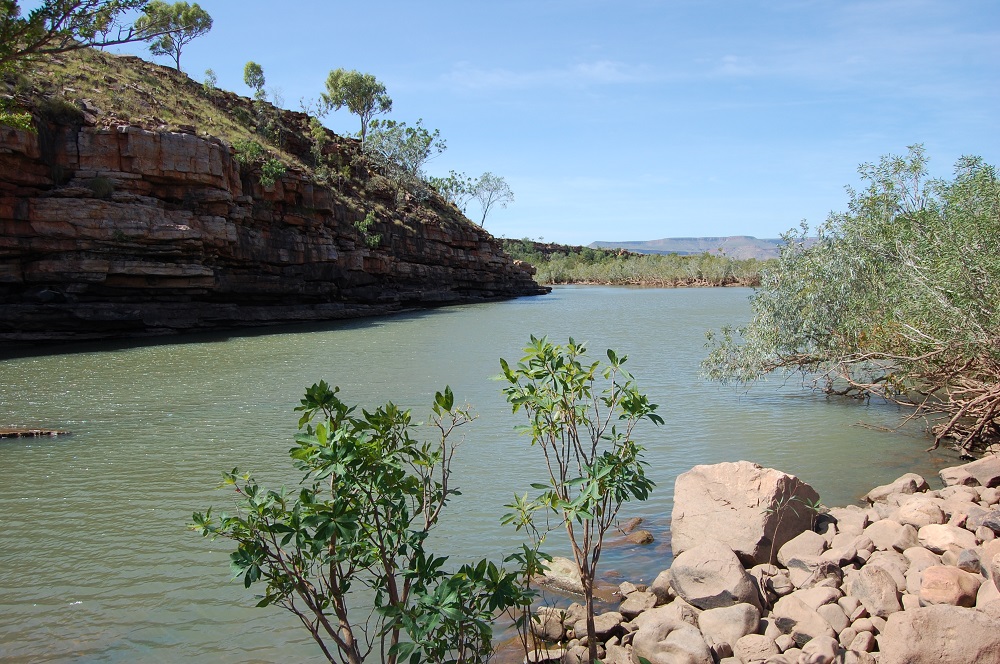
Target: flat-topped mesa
x,y
125,231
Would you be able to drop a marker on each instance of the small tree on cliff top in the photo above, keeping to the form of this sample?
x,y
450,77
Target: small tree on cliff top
x,y
370,496
362,94
582,416
184,23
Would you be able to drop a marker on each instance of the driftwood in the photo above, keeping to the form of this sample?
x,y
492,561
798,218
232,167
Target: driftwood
x,y
30,433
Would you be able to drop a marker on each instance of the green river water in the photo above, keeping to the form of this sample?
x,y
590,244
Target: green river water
x,y
96,564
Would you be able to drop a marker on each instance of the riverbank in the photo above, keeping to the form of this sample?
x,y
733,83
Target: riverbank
x,y
557,264
762,573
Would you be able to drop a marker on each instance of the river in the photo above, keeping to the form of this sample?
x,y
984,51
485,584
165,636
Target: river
x,y
96,564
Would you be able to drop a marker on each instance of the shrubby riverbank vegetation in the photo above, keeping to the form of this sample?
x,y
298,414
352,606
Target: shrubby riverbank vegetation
x,y
897,299
562,264
372,493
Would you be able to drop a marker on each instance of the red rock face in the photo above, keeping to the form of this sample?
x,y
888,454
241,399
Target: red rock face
x,y
125,231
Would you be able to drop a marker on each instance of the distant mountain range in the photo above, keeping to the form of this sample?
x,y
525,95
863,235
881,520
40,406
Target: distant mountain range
x,y
735,246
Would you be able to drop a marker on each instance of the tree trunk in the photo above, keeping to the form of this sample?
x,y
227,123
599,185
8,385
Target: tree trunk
x,y
588,594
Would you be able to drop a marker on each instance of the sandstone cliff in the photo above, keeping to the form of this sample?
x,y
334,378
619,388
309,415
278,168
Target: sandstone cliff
x,y
118,230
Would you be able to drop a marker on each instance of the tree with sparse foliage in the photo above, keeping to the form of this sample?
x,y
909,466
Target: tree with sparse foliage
x,y
186,22
57,26
362,94
582,415
402,151
491,190
457,188
899,297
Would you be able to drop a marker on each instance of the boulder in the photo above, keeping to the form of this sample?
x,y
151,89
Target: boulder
x,y
834,615
747,507
876,590
942,537
851,520
942,584
754,649
710,576
636,603
639,537
956,476
921,558
797,619
985,471
663,639
940,634
606,625
820,650
887,534
547,624
907,484
920,510
661,587
807,543
728,624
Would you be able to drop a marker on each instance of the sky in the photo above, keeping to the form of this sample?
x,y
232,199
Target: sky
x,y
643,119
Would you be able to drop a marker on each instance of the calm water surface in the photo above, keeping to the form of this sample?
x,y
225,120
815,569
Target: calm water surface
x,y
95,561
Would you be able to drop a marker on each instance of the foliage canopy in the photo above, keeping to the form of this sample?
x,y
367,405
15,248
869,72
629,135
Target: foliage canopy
x,y
362,94
347,553
898,297
182,22
582,415
57,26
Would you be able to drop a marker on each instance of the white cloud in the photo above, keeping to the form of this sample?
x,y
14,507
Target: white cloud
x,y
600,72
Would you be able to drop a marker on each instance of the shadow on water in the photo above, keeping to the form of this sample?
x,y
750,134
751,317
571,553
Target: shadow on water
x,y
16,350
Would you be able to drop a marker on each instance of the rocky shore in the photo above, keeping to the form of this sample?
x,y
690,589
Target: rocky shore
x,y
762,573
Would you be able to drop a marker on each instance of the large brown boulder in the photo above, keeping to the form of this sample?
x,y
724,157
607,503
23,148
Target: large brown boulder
x,y
753,510
941,584
940,634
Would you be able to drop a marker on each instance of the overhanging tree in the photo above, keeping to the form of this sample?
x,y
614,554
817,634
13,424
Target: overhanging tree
x,y
899,297
57,26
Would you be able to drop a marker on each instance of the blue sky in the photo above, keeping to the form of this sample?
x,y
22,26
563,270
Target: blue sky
x,y
642,119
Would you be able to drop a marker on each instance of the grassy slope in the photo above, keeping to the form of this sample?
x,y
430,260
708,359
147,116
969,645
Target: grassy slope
x,y
103,89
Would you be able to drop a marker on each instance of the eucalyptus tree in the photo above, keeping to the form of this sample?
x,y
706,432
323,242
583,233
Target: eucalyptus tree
x,y
402,151
457,188
253,76
57,26
899,298
182,23
362,94
491,190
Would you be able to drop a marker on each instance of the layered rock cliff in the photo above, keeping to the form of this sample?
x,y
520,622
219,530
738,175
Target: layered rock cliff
x,y
110,231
